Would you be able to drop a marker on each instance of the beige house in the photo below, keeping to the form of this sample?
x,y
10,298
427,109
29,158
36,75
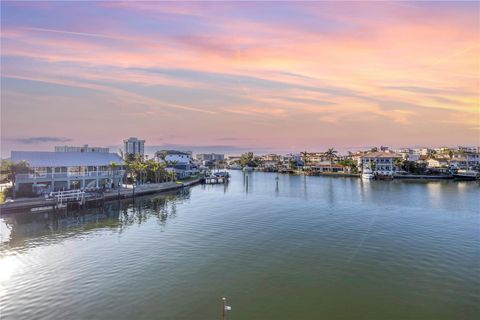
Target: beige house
x,y
437,163
379,161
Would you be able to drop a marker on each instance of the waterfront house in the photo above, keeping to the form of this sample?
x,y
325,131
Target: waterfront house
x,y
314,158
327,168
183,157
437,163
465,160
460,162
409,154
233,160
53,171
379,162
179,162
295,158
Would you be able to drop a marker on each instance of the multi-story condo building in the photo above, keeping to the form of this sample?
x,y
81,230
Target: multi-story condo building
x,y
134,146
85,148
381,162
53,171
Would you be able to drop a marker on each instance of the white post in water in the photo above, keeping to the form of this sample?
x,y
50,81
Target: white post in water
x,y
225,307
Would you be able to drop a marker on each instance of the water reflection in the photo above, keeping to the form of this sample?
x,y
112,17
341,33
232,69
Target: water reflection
x,y
171,256
22,231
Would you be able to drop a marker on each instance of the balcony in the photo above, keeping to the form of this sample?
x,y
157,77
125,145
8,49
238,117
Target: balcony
x,y
22,177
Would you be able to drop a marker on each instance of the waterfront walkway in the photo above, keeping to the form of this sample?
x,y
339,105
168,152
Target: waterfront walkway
x,y
112,194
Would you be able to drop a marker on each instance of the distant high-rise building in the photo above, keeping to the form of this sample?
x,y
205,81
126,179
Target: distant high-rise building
x,y
85,148
134,146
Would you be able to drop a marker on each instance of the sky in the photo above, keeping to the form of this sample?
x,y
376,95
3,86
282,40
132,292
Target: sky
x,y
236,76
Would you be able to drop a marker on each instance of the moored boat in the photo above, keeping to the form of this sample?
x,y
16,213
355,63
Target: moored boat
x,y
466,175
367,174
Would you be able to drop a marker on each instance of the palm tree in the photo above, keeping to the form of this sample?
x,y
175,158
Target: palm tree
x,y
331,154
172,176
304,156
141,168
10,170
163,171
292,164
450,154
156,168
399,163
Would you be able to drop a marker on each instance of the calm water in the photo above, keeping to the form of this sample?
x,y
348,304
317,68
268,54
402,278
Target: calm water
x,y
313,248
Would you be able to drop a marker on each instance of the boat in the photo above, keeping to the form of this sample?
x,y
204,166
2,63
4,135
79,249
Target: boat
x,y
222,174
367,174
466,175
215,179
248,169
384,175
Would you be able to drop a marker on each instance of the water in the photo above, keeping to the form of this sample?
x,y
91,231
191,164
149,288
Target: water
x,y
313,248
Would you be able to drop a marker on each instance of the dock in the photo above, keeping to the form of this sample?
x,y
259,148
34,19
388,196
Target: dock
x,y
219,177
76,198
215,180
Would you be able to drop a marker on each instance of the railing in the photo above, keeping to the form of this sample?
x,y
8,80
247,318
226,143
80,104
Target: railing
x,y
67,196
67,175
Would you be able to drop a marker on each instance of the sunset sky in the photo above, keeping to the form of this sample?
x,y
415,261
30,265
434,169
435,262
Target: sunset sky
x,y
235,76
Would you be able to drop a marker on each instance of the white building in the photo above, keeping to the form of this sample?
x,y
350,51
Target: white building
x,y
169,156
178,161
421,151
409,154
469,149
465,160
210,157
134,146
85,148
438,163
54,171
231,160
380,162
